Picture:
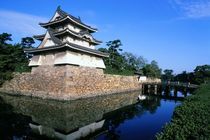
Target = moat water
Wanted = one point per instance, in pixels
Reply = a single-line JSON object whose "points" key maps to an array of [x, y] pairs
{"points": [[119, 116]]}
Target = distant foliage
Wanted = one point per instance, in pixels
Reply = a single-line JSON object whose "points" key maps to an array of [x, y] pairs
{"points": [[200, 75], [133, 62], [121, 63], [152, 70], [167, 75], [12, 58], [27, 42], [190, 120]]}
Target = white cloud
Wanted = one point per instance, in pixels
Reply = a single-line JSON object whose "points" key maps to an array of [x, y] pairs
{"points": [[192, 8], [20, 24]]}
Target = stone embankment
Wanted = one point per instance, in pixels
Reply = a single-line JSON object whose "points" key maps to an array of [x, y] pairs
{"points": [[68, 83]]}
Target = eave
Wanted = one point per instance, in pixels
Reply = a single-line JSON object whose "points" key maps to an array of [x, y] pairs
{"points": [[94, 41], [70, 46], [39, 37], [68, 18], [62, 32]]}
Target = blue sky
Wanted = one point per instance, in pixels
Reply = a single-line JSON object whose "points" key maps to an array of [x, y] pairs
{"points": [[175, 33]]}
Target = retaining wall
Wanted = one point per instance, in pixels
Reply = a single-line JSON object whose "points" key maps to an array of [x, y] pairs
{"points": [[68, 83]]}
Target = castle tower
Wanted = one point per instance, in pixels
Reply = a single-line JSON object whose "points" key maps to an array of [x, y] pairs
{"points": [[67, 41]]}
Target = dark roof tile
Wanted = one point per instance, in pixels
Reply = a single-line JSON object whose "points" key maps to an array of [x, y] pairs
{"points": [[63, 15], [68, 46]]}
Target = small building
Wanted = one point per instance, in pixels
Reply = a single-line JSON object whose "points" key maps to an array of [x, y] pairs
{"points": [[141, 77], [67, 41]]}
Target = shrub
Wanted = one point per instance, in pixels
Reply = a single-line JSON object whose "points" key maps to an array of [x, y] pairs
{"points": [[191, 120]]}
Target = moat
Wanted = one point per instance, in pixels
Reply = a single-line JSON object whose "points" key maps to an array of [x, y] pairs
{"points": [[117, 116]]}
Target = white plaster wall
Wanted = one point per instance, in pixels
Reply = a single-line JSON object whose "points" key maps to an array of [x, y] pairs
{"points": [[69, 39], [73, 28], [47, 59], [67, 58], [99, 62], [46, 41], [78, 59], [35, 60], [92, 47], [42, 60], [142, 78], [78, 42], [84, 43], [49, 42]]}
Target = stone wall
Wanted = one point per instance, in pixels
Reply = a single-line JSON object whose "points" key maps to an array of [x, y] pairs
{"points": [[68, 83]]}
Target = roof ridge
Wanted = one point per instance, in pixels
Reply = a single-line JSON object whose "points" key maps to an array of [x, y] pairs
{"points": [[63, 13]]}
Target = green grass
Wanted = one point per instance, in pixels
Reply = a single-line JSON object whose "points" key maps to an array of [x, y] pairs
{"points": [[191, 120]]}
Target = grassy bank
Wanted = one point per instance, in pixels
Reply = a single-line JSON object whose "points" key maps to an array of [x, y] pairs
{"points": [[191, 120]]}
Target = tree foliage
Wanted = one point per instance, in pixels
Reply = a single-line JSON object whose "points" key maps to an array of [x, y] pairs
{"points": [[27, 42], [200, 75], [125, 63], [115, 60], [4, 38], [122, 63], [12, 58], [133, 62], [168, 75], [152, 70]]}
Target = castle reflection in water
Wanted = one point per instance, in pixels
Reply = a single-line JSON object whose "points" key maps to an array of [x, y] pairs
{"points": [[84, 118]]}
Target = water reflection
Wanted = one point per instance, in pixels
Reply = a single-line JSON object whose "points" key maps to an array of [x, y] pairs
{"points": [[12, 124], [119, 116], [66, 119], [139, 121]]}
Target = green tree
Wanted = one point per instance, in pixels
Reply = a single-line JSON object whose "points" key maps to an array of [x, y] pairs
{"points": [[12, 58], [4, 58], [168, 75], [202, 74], [183, 77], [27, 42], [4, 38], [132, 62], [115, 60], [152, 70], [125, 63]]}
